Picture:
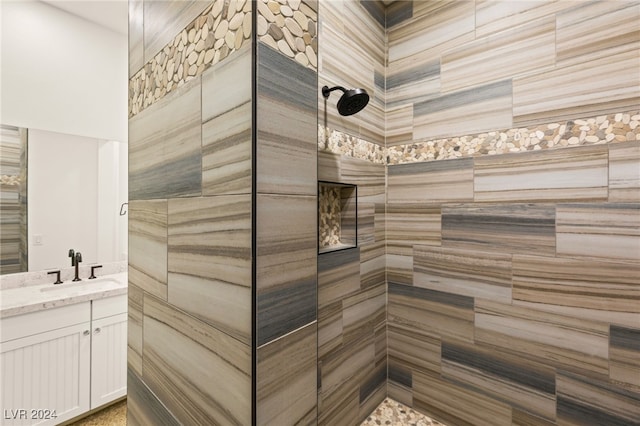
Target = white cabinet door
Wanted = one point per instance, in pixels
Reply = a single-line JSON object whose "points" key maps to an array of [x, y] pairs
{"points": [[45, 376], [108, 359]]}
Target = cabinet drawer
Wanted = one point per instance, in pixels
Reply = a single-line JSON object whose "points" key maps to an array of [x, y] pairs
{"points": [[46, 320], [109, 306]]}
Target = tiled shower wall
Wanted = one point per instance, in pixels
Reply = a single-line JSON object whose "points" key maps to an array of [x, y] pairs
{"points": [[13, 200], [352, 349], [286, 224], [190, 205], [513, 277]]}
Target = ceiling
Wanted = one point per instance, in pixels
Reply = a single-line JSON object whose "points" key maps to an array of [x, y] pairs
{"points": [[112, 14]]}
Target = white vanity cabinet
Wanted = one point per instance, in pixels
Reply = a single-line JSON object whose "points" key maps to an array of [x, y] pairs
{"points": [[108, 350], [59, 363]]}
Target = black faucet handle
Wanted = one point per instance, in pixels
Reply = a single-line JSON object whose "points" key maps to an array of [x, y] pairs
{"points": [[93, 270], [78, 257], [58, 281], [72, 255]]}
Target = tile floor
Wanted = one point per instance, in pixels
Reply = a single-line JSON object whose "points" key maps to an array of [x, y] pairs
{"points": [[388, 413]]}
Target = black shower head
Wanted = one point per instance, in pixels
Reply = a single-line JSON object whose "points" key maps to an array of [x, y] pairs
{"points": [[351, 102]]}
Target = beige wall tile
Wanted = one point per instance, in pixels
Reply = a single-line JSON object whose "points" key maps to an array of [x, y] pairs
{"points": [[583, 283], [610, 231], [606, 85], [183, 357], [148, 225], [591, 30], [210, 261], [624, 172], [510, 53], [286, 378], [566, 174]]}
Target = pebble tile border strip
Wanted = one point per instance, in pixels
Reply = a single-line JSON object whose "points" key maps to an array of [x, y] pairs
{"points": [[393, 413], [612, 128], [224, 27], [337, 142], [290, 26]]}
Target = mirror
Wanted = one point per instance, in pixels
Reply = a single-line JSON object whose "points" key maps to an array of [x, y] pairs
{"points": [[60, 192], [64, 78]]}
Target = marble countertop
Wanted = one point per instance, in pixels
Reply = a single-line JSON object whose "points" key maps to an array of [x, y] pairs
{"points": [[22, 300]]}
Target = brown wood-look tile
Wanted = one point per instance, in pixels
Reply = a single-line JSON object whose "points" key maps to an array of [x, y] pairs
{"points": [[143, 407], [431, 182], [330, 328], [494, 16], [626, 319], [210, 261], [134, 328], [226, 132], [369, 177], [399, 268], [339, 408], [607, 85], [287, 125], [342, 373], [624, 355], [286, 264], [148, 225], [581, 400], [610, 231], [455, 404], [503, 228], [430, 311], [411, 350], [183, 356], [624, 172], [363, 312], [557, 340], [511, 379], [338, 276], [523, 418], [434, 28], [366, 223], [582, 283], [516, 51], [408, 81], [287, 378], [563, 174], [591, 30], [410, 224], [465, 272], [165, 158], [328, 166], [485, 108]]}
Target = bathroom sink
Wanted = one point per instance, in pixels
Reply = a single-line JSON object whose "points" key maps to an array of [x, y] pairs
{"points": [[81, 284]]}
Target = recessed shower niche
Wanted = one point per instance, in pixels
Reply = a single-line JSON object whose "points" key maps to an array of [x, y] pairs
{"points": [[337, 216]]}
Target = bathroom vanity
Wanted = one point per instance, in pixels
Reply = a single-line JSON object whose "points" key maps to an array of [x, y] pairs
{"points": [[64, 349]]}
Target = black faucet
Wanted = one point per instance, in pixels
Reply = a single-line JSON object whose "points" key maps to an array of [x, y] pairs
{"points": [[76, 258]]}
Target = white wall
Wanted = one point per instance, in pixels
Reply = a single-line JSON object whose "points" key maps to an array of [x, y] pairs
{"points": [[61, 73], [63, 198]]}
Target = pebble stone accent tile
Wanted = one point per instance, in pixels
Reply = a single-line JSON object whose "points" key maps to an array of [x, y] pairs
{"points": [[393, 413], [329, 207], [224, 27], [290, 26], [612, 128], [10, 180], [341, 143]]}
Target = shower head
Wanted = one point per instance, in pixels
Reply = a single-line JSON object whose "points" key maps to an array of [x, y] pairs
{"points": [[351, 101]]}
